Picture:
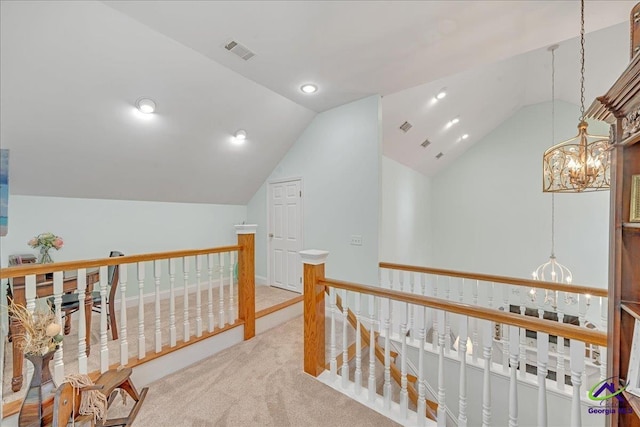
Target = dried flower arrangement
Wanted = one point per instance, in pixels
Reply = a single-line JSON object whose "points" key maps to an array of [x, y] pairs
{"points": [[41, 331]]}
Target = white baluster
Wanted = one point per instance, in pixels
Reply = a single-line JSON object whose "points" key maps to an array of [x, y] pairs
{"points": [[420, 312], [461, 290], [462, 355], [345, 340], [487, 345], [157, 272], [434, 335], [505, 335], [172, 302], [543, 358], [404, 394], [474, 324], [447, 336], [58, 363], [412, 328], [198, 296], [490, 294], [560, 359], [142, 345], [514, 339], [212, 324], [372, 348], [442, 413], [30, 297], [523, 339], [577, 366], [358, 373], [82, 324], [386, 315], [333, 362], [221, 320], [124, 344], [603, 350], [232, 305], [185, 323]]}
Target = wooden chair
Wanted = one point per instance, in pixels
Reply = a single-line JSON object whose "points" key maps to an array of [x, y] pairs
{"points": [[71, 303], [66, 403]]}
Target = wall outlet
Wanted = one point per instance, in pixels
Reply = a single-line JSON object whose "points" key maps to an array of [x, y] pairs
{"points": [[356, 240]]}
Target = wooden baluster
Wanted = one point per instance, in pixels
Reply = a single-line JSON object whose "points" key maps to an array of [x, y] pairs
{"points": [[404, 394], [577, 367], [172, 302], [487, 345], [198, 296], [58, 285], [543, 358], [447, 336], [124, 344], [212, 324], [514, 339], [462, 355], [372, 347], [358, 372], [157, 272], [560, 360], [386, 315], [221, 321], [442, 405], [345, 339], [333, 362], [420, 312], [474, 324], [186, 331], [232, 305], [603, 350], [82, 324], [141, 338]]}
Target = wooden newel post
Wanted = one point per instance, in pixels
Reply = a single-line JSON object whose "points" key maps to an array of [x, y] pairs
{"points": [[247, 278], [314, 344]]}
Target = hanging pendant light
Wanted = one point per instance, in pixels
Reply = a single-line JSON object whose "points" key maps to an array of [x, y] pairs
{"points": [[552, 270], [581, 163]]}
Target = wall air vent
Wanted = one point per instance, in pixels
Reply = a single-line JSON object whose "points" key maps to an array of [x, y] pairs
{"points": [[426, 143], [405, 127], [240, 50], [440, 154]]}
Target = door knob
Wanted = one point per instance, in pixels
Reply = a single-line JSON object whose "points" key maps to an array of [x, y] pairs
{"points": [[270, 234]]}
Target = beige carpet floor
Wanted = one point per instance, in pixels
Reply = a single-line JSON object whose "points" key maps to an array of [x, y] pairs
{"points": [[266, 296], [255, 383]]}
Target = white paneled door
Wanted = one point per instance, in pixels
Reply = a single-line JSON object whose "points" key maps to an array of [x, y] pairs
{"points": [[285, 234]]}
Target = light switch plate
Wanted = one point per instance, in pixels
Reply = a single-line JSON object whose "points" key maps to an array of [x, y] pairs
{"points": [[356, 240]]}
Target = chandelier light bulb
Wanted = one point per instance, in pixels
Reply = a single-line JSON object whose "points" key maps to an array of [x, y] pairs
{"points": [[146, 105]]}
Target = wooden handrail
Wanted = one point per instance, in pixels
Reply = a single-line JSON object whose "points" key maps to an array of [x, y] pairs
{"points": [[527, 322], [529, 283], [26, 269]]}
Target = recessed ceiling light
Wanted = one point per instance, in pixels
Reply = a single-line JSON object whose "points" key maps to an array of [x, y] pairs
{"points": [[465, 136], [240, 136], [146, 105], [309, 88], [441, 94], [455, 120]]}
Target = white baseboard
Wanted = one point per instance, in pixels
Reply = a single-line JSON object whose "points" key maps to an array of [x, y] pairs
{"points": [[261, 280]]}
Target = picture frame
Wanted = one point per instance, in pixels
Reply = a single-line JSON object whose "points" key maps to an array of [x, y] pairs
{"points": [[634, 215], [633, 374]]}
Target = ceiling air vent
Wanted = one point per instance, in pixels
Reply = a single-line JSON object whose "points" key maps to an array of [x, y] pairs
{"points": [[426, 143], [440, 154], [240, 50], [405, 127]]}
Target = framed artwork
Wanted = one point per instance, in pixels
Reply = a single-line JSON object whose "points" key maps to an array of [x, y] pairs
{"points": [[4, 191], [633, 375], [634, 215]]}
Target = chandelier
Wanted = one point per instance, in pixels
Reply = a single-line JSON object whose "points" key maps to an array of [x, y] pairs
{"points": [[552, 270], [581, 163]]}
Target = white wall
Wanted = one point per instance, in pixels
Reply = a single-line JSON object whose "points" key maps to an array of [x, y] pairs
{"points": [[91, 227], [490, 214], [405, 223], [338, 158]]}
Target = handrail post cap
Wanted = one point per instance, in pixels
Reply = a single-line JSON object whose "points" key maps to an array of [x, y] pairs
{"points": [[314, 256], [246, 228]]}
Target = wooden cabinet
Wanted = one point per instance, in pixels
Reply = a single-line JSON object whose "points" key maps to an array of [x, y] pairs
{"points": [[620, 107]]}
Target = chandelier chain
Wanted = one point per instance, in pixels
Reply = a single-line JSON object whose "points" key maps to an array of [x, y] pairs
{"points": [[581, 60], [553, 138]]}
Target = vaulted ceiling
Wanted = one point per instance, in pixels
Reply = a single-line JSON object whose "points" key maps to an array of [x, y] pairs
{"points": [[72, 71]]}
